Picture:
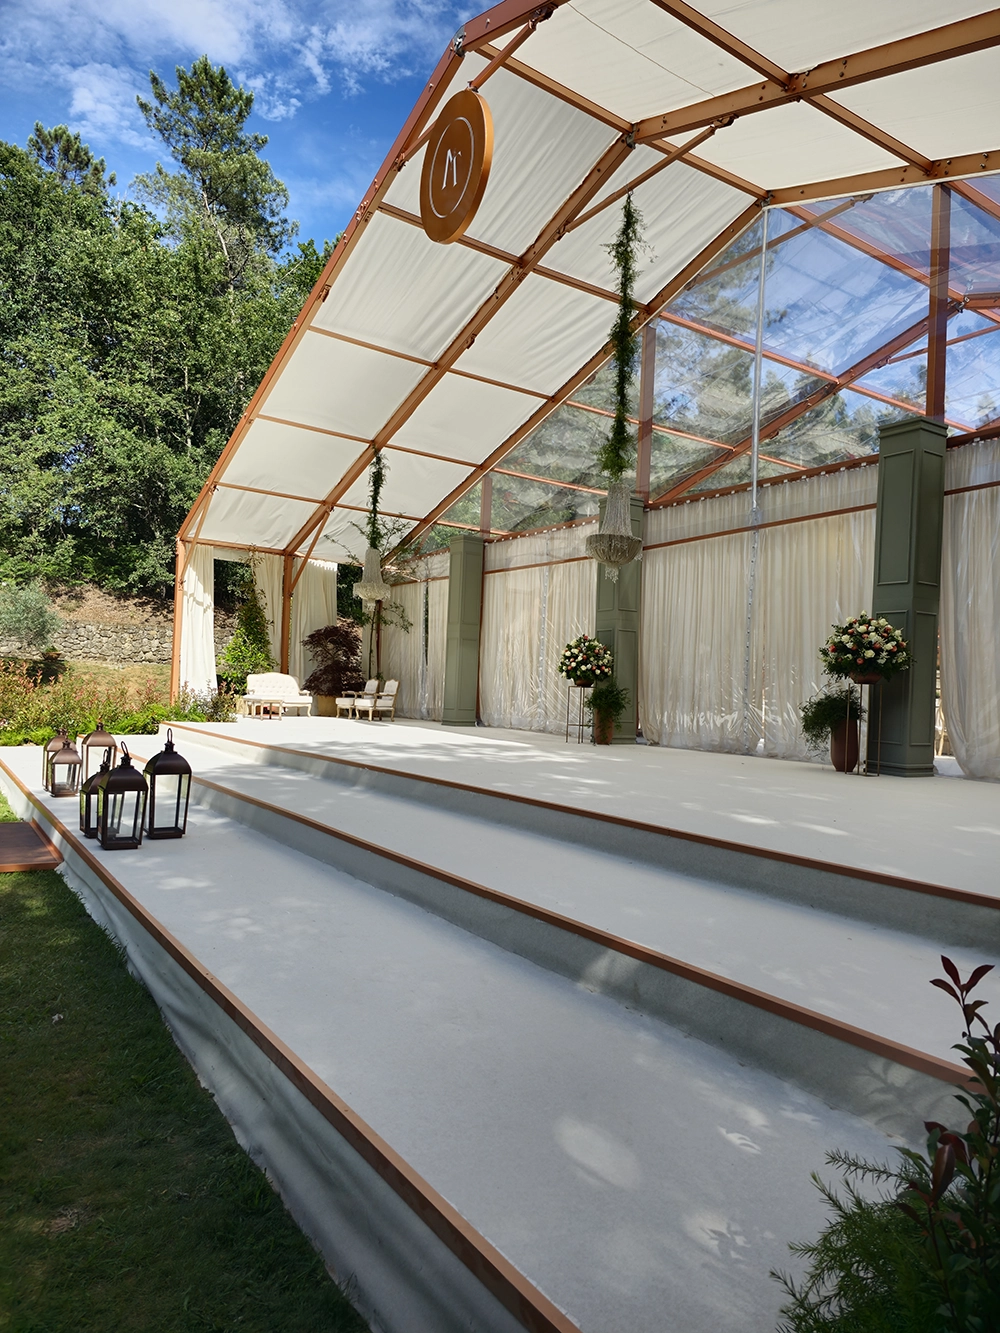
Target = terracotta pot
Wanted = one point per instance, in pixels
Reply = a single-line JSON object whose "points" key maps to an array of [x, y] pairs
{"points": [[866, 677], [326, 705], [844, 746], [604, 728]]}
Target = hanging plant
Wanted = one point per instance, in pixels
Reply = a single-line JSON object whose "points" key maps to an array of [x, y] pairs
{"points": [[615, 545], [371, 587]]}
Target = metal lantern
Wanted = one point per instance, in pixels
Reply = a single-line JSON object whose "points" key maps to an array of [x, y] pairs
{"points": [[64, 770], [88, 797], [121, 806], [92, 747], [169, 777], [53, 747]]}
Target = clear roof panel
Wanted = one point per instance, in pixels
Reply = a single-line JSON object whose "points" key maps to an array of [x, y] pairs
{"points": [[673, 457], [843, 426], [737, 473], [564, 447], [520, 505]]}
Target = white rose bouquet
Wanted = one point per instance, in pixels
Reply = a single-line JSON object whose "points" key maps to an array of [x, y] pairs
{"points": [[865, 645], [586, 661]]}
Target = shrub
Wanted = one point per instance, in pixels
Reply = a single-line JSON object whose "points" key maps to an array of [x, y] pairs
{"points": [[26, 615], [608, 700], [824, 712], [337, 652], [31, 712], [924, 1257], [248, 652]]}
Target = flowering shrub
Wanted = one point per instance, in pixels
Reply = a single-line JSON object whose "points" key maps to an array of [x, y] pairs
{"points": [[586, 661], [32, 712], [865, 644]]}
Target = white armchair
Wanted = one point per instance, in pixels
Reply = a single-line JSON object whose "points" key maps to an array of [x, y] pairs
{"points": [[381, 704], [348, 702]]}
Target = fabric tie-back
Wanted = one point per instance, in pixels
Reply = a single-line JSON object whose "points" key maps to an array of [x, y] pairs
{"points": [[197, 649]]}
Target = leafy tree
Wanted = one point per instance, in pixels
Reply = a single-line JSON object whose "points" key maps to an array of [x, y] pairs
{"points": [[131, 343], [26, 615], [249, 650]]}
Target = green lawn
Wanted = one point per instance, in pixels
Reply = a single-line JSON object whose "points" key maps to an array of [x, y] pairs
{"points": [[125, 1201]]}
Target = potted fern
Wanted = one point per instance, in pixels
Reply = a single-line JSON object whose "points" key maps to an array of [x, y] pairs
{"points": [[607, 704], [832, 718]]}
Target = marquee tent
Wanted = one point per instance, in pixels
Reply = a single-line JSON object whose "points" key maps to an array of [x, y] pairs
{"points": [[477, 366]]}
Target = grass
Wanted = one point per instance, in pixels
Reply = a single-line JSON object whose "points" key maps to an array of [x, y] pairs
{"points": [[132, 674], [125, 1201]]}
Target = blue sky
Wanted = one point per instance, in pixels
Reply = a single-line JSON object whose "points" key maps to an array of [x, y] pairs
{"points": [[334, 79]]}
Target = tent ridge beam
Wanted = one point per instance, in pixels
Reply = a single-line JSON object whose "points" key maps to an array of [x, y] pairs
{"points": [[924, 48]]}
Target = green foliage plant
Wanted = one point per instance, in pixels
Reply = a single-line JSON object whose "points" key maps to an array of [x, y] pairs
{"points": [[923, 1256], [617, 453], [824, 712], [248, 652], [71, 161], [336, 650], [608, 700], [27, 616]]}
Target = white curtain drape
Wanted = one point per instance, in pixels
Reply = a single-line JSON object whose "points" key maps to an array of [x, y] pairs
{"points": [[197, 655], [268, 571], [314, 605], [970, 607], [721, 670], [416, 658], [529, 615]]}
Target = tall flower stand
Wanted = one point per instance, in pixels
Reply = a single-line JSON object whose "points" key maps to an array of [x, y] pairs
{"points": [[576, 718], [861, 679]]}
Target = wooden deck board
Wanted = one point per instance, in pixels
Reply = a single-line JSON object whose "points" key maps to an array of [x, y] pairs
{"points": [[23, 847]]}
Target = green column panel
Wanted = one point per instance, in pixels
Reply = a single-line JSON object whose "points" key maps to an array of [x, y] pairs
{"points": [[907, 592], [618, 627], [465, 605]]}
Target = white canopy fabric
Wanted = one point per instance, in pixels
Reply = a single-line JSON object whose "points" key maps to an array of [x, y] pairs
{"points": [[445, 356]]}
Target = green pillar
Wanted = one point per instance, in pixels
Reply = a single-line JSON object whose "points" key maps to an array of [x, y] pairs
{"points": [[465, 604], [618, 627], [907, 592]]}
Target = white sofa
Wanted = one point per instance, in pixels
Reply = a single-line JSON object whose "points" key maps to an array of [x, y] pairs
{"points": [[272, 693]]}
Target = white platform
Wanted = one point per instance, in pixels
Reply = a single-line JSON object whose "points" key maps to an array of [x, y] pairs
{"points": [[933, 829], [639, 1178]]}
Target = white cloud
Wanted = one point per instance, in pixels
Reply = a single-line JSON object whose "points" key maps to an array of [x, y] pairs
{"points": [[294, 48]]}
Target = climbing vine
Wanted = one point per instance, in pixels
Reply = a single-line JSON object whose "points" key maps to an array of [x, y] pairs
{"points": [[617, 454]]}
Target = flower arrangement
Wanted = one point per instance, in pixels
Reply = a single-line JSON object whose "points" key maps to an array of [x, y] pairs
{"points": [[865, 644], [585, 661]]}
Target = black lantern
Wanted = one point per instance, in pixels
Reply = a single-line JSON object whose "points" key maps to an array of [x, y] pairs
{"points": [[64, 770], [88, 797], [169, 777], [121, 806], [53, 747], [92, 747]]}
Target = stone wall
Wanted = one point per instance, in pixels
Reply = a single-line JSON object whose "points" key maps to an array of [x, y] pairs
{"points": [[147, 643]]}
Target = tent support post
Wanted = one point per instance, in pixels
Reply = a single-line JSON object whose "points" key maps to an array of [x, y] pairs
{"points": [[286, 609], [175, 650], [938, 302], [465, 610], [617, 626], [647, 377]]}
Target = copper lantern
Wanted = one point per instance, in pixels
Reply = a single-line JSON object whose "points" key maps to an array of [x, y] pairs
{"points": [[88, 797], [92, 747], [64, 770], [53, 747], [121, 806], [169, 776]]}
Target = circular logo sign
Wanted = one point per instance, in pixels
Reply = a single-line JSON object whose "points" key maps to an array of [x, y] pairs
{"points": [[456, 166]]}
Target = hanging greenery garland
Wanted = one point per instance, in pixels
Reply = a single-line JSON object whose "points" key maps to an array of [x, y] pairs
{"points": [[371, 587], [615, 545]]}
